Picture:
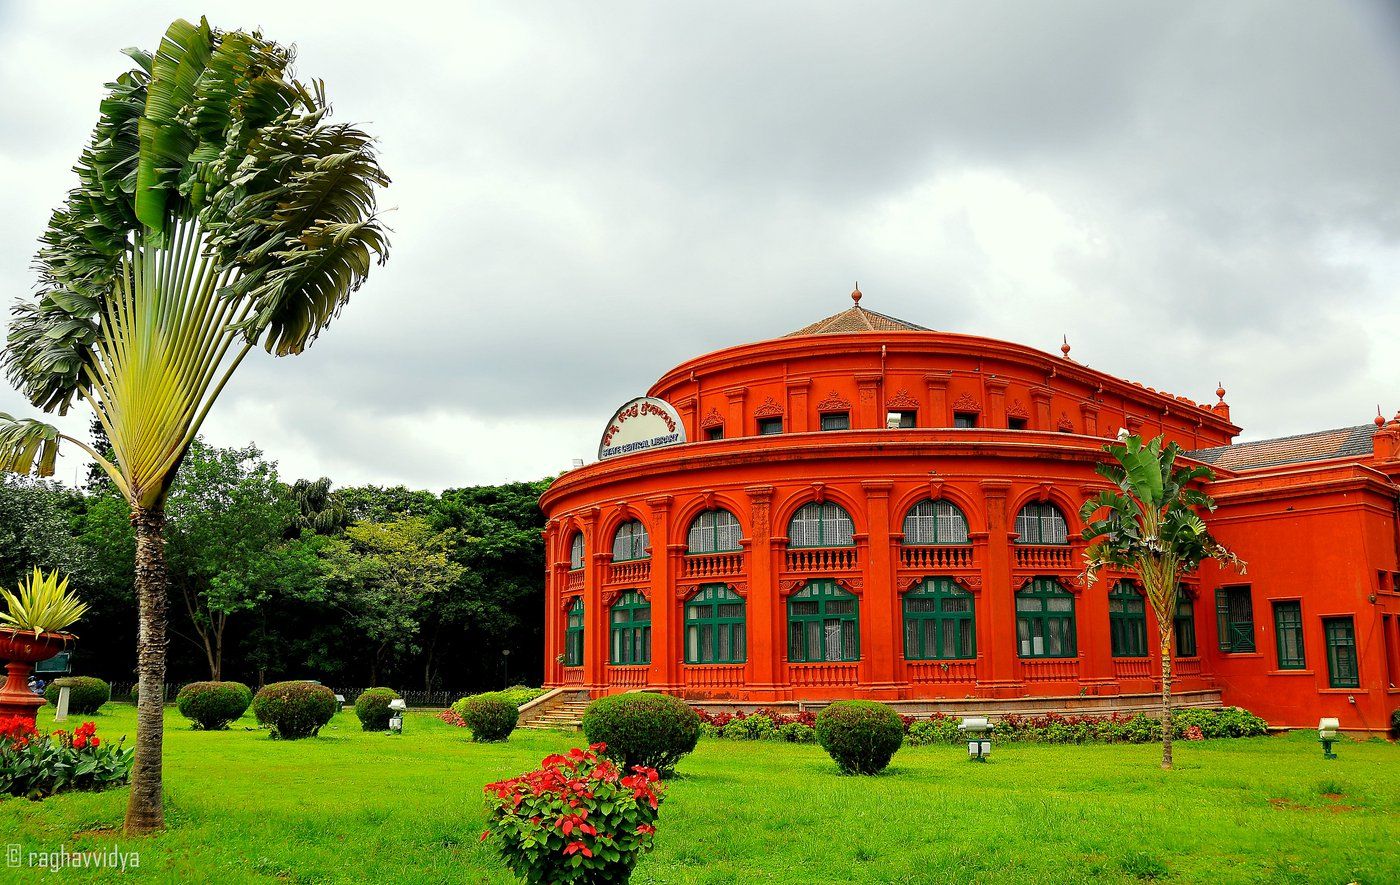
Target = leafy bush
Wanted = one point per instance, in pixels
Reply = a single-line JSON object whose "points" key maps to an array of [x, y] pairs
{"points": [[43, 604], [294, 709], [1395, 723], [653, 730], [491, 716], [577, 819], [521, 694], [213, 705], [860, 736], [35, 765], [1227, 722], [372, 706], [86, 694], [757, 727], [940, 728]]}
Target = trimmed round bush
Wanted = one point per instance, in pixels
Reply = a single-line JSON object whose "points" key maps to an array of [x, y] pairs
{"points": [[654, 730], [294, 710], [372, 706], [491, 716], [211, 706], [85, 693], [861, 736]]}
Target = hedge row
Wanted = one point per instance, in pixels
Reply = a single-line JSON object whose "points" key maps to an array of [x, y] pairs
{"points": [[1052, 728]]}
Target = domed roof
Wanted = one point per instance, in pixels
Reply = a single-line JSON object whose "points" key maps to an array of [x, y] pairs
{"points": [[856, 319]]}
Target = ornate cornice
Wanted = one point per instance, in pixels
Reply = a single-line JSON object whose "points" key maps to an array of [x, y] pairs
{"points": [[902, 400], [769, 408], [712, 418], [833, 402], [966, 403]]}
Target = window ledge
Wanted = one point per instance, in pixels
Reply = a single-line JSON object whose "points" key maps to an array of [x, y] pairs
{"points": [[1241, 655], [1343, 691], [1291, 673]]}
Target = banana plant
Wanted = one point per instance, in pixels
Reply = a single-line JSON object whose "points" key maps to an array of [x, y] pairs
{"points": [[218, 210], [1150, 526], [43, 604]]}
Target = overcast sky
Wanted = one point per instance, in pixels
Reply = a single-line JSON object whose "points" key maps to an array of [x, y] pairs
{"points": [[588, 194]]}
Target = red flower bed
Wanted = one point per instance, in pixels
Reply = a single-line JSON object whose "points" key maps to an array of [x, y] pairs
{"points": [[576, 819]]}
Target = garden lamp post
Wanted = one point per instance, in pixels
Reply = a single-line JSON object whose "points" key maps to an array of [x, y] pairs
{"points": [[397, 708], [505, 667], [1327, 735], [978, 731]]}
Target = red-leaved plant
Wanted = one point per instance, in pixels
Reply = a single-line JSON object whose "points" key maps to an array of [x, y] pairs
{"points": [[576, 819], [36, 765]]}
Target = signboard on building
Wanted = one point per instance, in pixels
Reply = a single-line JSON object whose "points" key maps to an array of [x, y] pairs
{"points": [[641, 424]]}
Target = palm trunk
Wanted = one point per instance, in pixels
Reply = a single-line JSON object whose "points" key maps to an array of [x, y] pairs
{"points": [[145, 812], [1166, 653]]}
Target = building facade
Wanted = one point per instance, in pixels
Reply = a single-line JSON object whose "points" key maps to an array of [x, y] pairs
{"points": [[867, 508]]}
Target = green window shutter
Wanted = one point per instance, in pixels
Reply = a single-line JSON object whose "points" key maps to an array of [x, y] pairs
{"points": [[1342, 668], [573, 634], [1045, 625], [1127, 621], [939, 623], [823, 624], [1288, 635], [714, 626], [1185, 628], [631, 630]]}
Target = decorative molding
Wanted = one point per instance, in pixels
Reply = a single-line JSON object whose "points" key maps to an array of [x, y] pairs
{"points": [[965, 403], [1017, 410], [833, 402], [935, 489], [769, 408], [853, 585], [685, 591], [1064, 424], [970, 583], [708, 496], [902, 400], [819, 492], [712, 418], [788, 585]]}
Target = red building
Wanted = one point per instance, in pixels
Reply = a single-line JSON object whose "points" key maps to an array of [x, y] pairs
{"points": [[868, 508]]}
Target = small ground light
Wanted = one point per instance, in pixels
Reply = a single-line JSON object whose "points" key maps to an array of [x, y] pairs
{"points": [[979, 737], [339, 702], [1327, 735], [397, 707]]}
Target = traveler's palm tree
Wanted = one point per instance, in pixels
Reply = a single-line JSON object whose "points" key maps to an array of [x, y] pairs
{"points": [[217, 210], [1150, 526]]}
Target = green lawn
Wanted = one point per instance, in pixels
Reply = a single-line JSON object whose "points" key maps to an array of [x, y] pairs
{"points": [[350, 806]]}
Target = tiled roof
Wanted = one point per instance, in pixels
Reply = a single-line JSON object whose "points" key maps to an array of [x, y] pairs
{"points": [[1319, 446], [856, 319]]}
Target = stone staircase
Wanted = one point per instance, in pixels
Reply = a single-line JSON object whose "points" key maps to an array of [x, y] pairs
{"points": [[557, 709]]}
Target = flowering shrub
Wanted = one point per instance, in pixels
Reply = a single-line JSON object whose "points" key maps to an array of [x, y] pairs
{"points": [[1050, 728], [36, 766], [452, 717], [576, 819], [491, 716]]}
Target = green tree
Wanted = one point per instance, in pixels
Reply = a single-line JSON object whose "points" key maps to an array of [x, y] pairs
{"points": [[382, 575], [226, 514], [37, 529], [217, 210], [318, 509], [1150, 526], [384, 504]]}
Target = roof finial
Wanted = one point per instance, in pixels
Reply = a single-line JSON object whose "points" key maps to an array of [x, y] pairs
{"points": [[1064, 348], [1379, 419], [855, 294], [1220, 390]]}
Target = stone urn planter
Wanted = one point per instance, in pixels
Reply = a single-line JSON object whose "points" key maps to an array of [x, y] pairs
{"points": [[21, 650]]}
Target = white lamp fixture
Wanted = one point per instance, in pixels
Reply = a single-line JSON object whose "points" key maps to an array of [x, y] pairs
{"points": [[397, 707], [1327, 735], [978, 731]]}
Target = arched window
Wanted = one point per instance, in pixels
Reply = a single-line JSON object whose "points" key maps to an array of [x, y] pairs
{"points": [[573, 634], [714, 626], [1041, 524], [576, 552], [1127, 621], [823, 624], [714, 531], [821, 525], [631, 629], [938, 622], [630, 542], [1045, 620], [935, 522]]}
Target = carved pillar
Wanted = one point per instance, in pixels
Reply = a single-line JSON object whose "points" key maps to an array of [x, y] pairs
{"points": [[553, 587], [1090, 413], [879, 624], [665, 650], [1041, 397], [736, 424], [765, 628], [868, 414], [595, 619], [686, 408], [1000, 678], [797, 412], [940, 415], [996, 401]]}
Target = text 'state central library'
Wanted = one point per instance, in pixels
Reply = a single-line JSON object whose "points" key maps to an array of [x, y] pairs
{"points": [[867, 508]]}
